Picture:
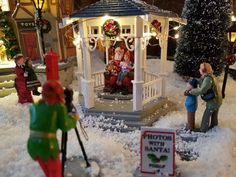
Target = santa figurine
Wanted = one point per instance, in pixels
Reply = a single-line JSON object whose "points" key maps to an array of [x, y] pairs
{"points": [[46, 117], [24, 95], [119, 53]]}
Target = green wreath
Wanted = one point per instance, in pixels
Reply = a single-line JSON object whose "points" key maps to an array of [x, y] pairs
{"points": [[44, 25], [111, 28]]}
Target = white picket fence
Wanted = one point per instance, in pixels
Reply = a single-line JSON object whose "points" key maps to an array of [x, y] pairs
{"points": [[152, 87], [99, 80]]}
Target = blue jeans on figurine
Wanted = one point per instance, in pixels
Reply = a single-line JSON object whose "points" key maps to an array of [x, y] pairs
{"points": [[121, 77]]}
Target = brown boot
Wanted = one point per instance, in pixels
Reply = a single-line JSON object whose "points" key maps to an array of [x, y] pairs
{"points": [[191, 120]]}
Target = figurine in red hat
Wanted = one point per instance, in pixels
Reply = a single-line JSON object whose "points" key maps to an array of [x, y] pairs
{"points": [[46, 117]]}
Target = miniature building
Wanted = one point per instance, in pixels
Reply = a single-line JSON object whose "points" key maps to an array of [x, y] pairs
{"points": [[24, 15], [133, 22]]}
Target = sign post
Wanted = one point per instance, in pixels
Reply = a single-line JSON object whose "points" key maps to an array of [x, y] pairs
{"points": [[157, 152]]}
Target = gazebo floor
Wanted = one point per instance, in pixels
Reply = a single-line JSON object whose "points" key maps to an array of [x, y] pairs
{"points": [[115, 110]]}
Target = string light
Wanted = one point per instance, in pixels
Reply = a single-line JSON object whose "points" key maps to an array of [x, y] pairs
{"points": [[233, 18], [150, 34], [177, 36], [176, 27]]}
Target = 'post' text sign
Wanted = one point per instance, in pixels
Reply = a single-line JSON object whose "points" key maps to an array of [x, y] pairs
{"points": [[157, 152]]}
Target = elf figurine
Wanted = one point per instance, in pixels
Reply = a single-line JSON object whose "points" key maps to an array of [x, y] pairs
{"points": [[24, 95], [46, 116]]}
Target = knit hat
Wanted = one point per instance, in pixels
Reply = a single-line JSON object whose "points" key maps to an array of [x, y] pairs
{"points": [[17, 57], [53, 92], [193, 82]]}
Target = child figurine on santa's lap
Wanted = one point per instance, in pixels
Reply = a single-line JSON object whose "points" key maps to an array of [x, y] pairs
{"points": [[46, 116], [125, 68], [24, 94]]}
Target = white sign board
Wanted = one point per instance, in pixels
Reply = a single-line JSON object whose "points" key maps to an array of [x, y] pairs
{"points": [[157, 152]]}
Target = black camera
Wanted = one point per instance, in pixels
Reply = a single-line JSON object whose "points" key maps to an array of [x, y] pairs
{"points": [[68, 94]]}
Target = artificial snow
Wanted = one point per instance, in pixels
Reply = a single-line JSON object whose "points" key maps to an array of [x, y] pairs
{"points": [[118, 153]]}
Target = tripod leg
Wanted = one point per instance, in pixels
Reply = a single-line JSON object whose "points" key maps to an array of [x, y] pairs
{"points": [[63, 150], [82, 147]]}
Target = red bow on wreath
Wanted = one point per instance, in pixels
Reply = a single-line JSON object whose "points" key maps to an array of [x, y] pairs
{"points": [[230, 59]]}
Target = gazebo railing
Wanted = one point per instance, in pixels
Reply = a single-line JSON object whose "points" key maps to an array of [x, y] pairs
{"points": [[99, 80], [149, 77], [152, 87]]}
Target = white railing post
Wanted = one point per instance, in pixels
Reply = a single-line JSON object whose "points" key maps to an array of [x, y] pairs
{"points": [[87, 82], [163, 45], [79, 72], [152, 88], [99, 79]]}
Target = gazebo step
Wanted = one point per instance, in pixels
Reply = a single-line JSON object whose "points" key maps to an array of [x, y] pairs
{"points": [[111, 112], [127, 116], [120, 116], [114, 96], [138, 124], [7, 84], [7, 77], [5, 92]]}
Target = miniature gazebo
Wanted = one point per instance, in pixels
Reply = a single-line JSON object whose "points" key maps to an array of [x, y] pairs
{"points": [[132, 21]]}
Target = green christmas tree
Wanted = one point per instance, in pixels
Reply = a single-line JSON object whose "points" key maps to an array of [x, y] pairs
{"points": [[204, 38], [9, 39]]}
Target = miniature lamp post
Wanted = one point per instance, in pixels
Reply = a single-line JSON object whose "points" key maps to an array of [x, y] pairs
{"points": [[38, 4], [230, 58]]}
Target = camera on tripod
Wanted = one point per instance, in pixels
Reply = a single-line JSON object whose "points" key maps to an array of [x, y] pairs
{"points": [[68, 94]]}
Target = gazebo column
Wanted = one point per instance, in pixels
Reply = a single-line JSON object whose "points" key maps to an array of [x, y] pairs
{"points": [[79, 67], [164, 45], [144, 61], [87, 82], [107, 51], [79, 73], [138, 82]]}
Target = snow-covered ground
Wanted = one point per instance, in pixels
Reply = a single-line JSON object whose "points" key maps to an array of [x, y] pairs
{"points": [[118, 153]]}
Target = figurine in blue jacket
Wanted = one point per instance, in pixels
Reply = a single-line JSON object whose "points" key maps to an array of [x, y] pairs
{"points": [[191, 104]]}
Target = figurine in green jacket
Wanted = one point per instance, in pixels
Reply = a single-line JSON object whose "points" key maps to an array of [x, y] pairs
{"points": [[211, 94], [46, 116]]}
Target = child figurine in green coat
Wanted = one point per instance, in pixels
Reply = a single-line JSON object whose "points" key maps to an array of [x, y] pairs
{"points": [[46, 117]]}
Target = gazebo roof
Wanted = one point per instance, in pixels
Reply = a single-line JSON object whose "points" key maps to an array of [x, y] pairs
{"points": [[120, 8]]}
